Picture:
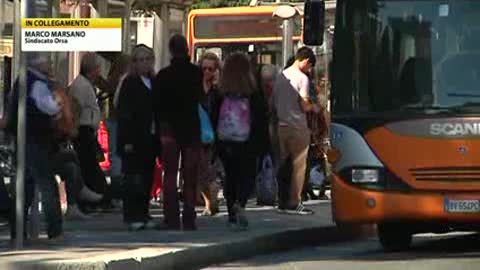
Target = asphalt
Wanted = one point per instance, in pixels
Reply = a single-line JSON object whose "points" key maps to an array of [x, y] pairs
{"points": [[456, 250], [105, 243]]}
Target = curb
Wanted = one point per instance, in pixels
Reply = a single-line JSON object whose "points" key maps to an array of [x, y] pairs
{"points": [[278, 242], [199, 257]]}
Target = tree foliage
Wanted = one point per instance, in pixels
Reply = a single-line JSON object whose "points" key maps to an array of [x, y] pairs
{"points": [[218, 3], [152, 5]]}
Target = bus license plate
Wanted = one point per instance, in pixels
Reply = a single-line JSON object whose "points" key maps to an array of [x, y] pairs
{"points": [[462, 206]]}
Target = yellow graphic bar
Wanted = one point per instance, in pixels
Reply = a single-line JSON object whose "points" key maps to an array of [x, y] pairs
{"points": [[71, 23]]}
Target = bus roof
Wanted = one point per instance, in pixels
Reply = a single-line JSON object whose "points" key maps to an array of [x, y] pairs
{"points": [[329, 4], [233, 10]]}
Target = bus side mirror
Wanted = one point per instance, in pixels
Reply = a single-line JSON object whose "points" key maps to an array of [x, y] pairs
{"points": [[313, 22]]}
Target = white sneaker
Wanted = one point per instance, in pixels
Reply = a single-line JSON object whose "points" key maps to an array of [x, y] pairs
{"points": [[117, 203], [74, 213], [300, 209], [150, 225], [136, 226], [88, 195]]}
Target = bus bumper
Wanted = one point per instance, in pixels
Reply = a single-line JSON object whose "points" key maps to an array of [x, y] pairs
{"points": [[351, 204]]}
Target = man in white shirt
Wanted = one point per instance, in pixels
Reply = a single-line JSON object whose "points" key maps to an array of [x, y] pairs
{"points": [[291, 102], [83, 91]]}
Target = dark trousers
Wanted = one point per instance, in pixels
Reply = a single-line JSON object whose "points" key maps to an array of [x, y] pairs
{"points": [[5, 200], [240, 170], [86, 146], [29, 190], [308, 187], [71, 173], [138, 178], [39, 172], [284, 177], [190, 160]]}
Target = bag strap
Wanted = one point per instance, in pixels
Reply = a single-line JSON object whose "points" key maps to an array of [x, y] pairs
{"points": [[267, 161]]}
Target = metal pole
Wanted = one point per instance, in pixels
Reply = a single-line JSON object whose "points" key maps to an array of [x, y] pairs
{"points": [[21, 133], [326, 61], [287, 42], [164, 35], [2, 62], [16, 40], [184, 21], [34, 221], [2, 16], [126, 27]]}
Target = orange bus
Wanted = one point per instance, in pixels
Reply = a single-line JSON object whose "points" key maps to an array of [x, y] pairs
{"points": [[405, 115], [249, 29]]}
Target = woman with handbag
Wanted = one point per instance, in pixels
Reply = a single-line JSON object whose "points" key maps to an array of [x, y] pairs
{"points": [[136, 140], [66, 162], [208, 174]]}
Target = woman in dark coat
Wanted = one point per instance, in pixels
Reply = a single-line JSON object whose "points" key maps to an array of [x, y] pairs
{"points": [[136, 140]]}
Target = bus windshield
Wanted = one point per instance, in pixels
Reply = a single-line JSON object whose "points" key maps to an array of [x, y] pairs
{"points": [[404, 54], [240, 26], [253, 30]]}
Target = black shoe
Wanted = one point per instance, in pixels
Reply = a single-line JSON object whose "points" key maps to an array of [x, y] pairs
{"points": [[282, 207], [324, 198], [190, 227], [263, 203], [167, 227]]}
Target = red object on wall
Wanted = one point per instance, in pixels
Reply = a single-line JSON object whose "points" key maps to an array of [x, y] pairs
{"points": [[157, 179], [103, 140]]}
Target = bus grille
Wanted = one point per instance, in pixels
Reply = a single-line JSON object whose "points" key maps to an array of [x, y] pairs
{"points": [[447, 174]]}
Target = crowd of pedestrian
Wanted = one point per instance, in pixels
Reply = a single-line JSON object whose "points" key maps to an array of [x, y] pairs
{"points": [[210, 124]]}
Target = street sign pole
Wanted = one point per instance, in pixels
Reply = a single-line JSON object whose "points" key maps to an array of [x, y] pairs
{"points": [[286, 13], [21, 133], [287, 42]]}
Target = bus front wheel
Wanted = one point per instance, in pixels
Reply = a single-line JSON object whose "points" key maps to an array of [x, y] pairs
{"points": [[394, 236]]}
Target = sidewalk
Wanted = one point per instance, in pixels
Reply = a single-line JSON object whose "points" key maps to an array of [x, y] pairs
{"points": [[104, 242]]}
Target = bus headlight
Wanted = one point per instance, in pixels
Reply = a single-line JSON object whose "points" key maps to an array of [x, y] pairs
{"points": [[365, 176]]}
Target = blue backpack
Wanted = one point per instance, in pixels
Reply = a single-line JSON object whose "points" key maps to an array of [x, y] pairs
{"points": [[206, 131]]}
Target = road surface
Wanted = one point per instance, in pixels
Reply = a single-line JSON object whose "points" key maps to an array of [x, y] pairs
{"points": [[429, 252]]}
